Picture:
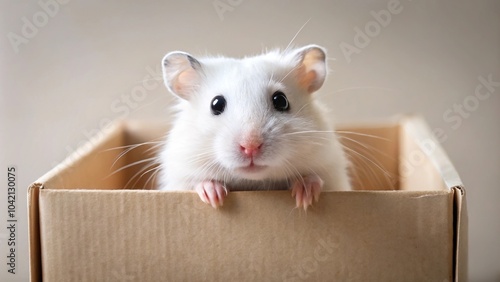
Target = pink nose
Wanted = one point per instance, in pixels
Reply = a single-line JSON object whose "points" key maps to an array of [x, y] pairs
{"points": [[250, 150]]}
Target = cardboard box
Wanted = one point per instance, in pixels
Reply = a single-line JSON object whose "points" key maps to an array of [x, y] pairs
{"points": [[406, 221]]}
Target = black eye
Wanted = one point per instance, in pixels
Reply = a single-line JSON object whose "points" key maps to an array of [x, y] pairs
{"points": [[218, 105], [280, 101]]}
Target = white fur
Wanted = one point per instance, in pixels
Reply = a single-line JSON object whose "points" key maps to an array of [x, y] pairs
{"points": [[202, 146]]}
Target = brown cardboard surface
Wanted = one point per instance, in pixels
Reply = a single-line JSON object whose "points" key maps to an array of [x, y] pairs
{"points": [[347, 236], [90, 230]]}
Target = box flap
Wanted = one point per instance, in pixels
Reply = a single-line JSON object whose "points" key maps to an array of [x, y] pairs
{"points": [[418, 148], [122, 156]]}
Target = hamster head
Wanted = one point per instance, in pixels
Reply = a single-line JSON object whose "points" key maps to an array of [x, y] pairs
{"points": [[248, 118]]}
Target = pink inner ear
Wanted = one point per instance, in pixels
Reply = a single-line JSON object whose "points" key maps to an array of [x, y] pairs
{"points": [[310, 81], [185, 82], [311, 74]]}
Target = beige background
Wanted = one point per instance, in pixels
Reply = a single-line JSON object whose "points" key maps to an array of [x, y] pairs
{"points": [[84, 63]]}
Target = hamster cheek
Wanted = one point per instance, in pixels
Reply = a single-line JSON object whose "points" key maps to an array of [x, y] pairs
{"points": [[225, 151]]}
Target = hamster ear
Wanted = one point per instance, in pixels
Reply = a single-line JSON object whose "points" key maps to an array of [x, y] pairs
{"points": [[182, 73], [311, 69]]}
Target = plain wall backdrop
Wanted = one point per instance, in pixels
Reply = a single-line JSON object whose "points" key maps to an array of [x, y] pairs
{"points": [[69, 67]]}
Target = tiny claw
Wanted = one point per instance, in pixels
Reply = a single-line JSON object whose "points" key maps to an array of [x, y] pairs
{"points": [[306, 190], [212, 192]]}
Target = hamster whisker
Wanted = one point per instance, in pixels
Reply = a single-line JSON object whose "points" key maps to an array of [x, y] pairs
{"points": [[360, 166], [367, 152], [152, 177], [132, 145], [289, 171], [295, 36], [300, 143], [299, 139], [202, 157], [367, 147], [153, 148], [133, 164], [141, 171], [292, 70], [341, 132], [296, 172], [225, 177], [362, 88], [371, 173], [271, 78], [353, 172], [205, 167], [301, 108], [129, 148], [156, 173], [367, 161], [308, 131], [374, 162]]}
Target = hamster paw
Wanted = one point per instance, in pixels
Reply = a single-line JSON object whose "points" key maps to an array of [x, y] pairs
{"points": [[306, 189], [212, 192]]}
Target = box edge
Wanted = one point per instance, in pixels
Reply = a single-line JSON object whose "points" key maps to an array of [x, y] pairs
{"points": [[460, 254], [34, 240]]}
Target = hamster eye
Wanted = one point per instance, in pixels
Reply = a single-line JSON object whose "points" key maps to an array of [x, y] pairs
{"points": [[280, 101], [218, 105]]}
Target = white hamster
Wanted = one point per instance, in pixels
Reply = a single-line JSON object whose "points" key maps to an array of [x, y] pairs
{"points": [[250, 124]]}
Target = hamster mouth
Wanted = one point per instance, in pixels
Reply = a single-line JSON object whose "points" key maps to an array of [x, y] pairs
{"points": [[252, 168]]}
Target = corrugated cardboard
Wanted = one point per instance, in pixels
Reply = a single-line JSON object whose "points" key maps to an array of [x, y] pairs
{"points": [[406, 221]]}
